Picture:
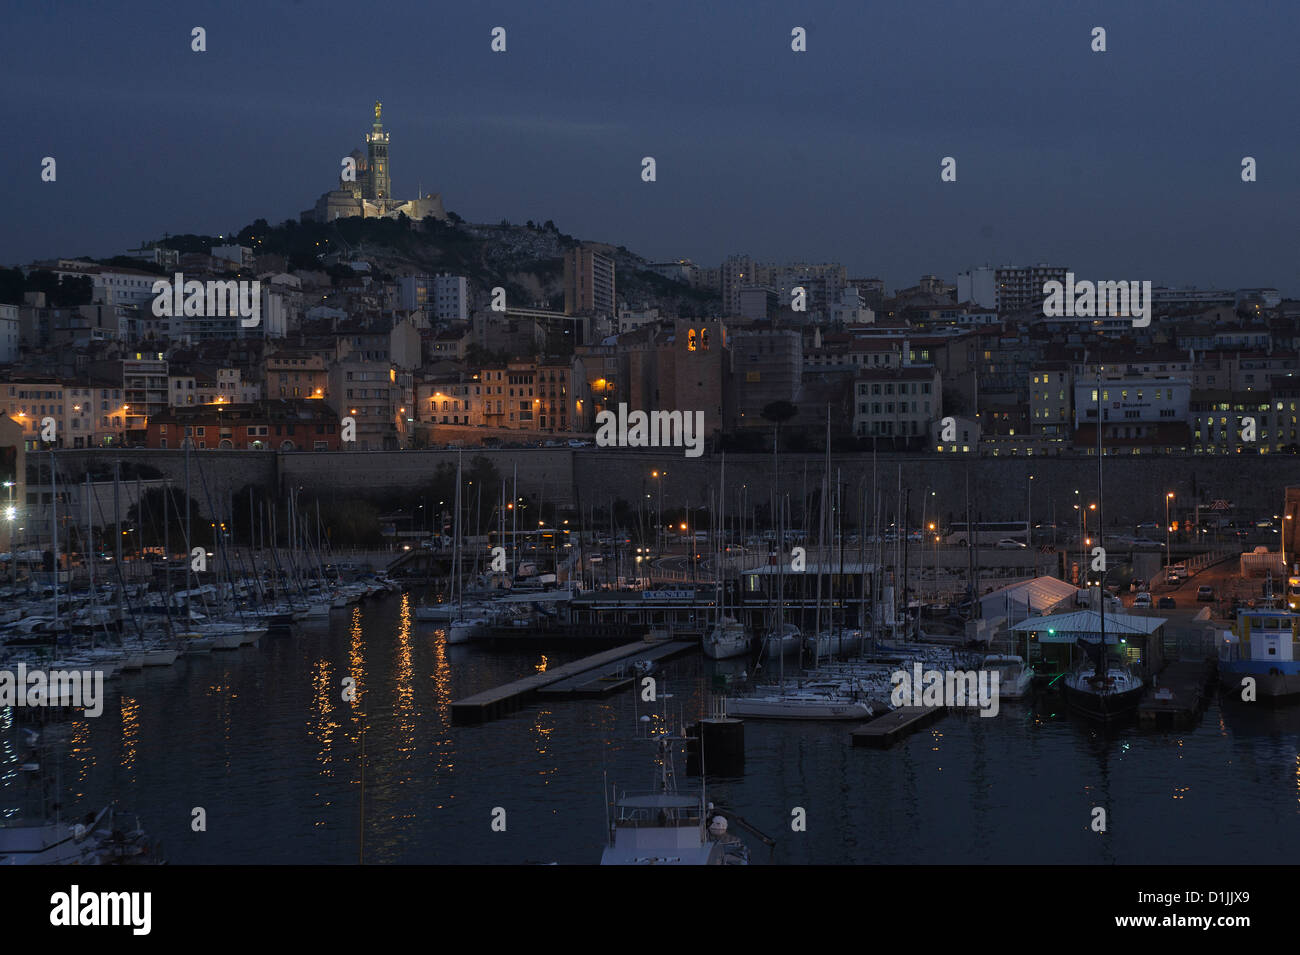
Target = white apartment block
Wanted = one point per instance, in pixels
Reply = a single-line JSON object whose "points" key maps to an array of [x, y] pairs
{"points": [[898, 402]]}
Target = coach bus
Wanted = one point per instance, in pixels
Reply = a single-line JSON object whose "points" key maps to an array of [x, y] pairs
{"points": [[988, 533]]}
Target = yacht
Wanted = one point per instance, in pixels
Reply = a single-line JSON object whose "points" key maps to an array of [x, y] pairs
{"points": [[787, 641], [1015, 678], [825, 701], [465, 629], [726, 639], [830, 642]]}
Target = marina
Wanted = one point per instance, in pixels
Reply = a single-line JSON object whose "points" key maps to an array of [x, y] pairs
{"points": [[554, 648], [287, 742]]}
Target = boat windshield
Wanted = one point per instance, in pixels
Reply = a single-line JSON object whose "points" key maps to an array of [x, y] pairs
{"points": [[659, 810]]}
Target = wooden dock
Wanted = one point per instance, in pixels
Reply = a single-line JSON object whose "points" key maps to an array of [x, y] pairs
{"points": [[614, 676], [490, 704], [1179, 693], [884, 731]]}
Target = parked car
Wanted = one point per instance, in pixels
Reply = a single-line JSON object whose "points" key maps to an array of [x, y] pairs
{"points": [[1008, 543], [1167, 603], [1142, 601], [1138, 585], [1205, 593]]}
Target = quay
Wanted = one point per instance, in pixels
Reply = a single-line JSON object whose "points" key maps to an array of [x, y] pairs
{"points": [[491, 704], [614, 676], [884, 731], [1180, 692]]}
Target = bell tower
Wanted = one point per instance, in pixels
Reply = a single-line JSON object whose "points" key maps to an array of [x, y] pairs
{"points": [[378, 182]]}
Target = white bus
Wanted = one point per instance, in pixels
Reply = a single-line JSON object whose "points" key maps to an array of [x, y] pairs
{"points": [[987, 534]]}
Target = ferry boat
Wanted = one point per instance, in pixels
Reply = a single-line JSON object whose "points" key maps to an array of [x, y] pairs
{"points": [[1265, 645]]}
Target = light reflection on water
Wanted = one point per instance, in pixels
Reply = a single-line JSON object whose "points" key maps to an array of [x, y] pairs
{"points": [[264, 740]]}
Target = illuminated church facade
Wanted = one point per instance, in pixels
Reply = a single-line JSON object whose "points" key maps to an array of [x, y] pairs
{"points": [[365, 186]]}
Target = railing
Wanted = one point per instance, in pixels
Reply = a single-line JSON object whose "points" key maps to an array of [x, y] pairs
{"points": [[680, 577], [1213, 556]]}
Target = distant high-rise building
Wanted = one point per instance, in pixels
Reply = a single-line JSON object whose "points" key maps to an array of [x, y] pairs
{"points": [[737, 273], [1019, 288], [978, 285], [451, 298], [588, 282], [758, 302]]}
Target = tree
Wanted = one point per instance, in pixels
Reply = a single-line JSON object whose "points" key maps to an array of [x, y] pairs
{"points": [[161, 517], [778, 412]]}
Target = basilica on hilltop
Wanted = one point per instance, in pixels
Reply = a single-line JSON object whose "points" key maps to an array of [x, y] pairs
{"points": [[365, 186]]}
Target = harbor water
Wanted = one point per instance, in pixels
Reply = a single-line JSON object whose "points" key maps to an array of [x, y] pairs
{"points": [[263, 741]]}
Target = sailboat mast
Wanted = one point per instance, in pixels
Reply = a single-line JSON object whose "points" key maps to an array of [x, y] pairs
{"points": [[1101, 582], [54, 532], [455, 545], [722, 539], [189, 534], [117, 535]]}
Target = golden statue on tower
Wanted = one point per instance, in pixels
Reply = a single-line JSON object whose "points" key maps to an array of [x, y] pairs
{"points": [[379, 108]]}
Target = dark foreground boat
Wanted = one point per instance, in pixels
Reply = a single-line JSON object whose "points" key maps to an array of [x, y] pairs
{"points": [[1112, 696]]}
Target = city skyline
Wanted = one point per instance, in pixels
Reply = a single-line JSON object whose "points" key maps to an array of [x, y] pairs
{"points": [[250, 136]]}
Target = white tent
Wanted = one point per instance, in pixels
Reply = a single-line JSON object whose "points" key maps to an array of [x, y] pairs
{"points": [[1029, 598]]}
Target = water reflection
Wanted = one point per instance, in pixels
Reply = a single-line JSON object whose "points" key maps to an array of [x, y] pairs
{"points": [[269, 731]]}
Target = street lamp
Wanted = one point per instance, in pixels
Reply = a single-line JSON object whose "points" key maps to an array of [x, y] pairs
{"points": [[659, 523], [1168, 497], [1080, 510]]}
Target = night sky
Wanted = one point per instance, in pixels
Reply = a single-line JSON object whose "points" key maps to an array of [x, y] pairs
{"points": [[1123, 165]]}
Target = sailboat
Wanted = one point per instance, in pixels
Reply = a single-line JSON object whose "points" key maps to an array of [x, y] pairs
{"points": [[821, 701], [463, 627], [1101, 689], [727, 638]]}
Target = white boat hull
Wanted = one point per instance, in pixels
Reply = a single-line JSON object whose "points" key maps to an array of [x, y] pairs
{"points": [[463, 631], [798, 708], [725, 642]]}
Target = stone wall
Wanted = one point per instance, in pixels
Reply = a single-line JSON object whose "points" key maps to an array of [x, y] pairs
{"points": [[1135, 487]]}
